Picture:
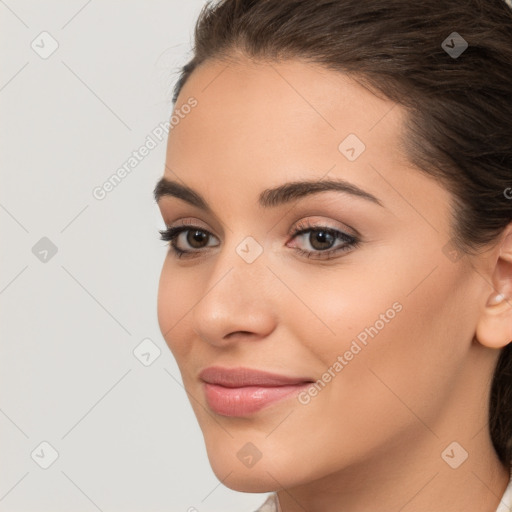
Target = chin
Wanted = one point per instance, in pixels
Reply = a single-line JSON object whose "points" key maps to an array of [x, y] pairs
{"points": [[267, 474], [247, 479]]}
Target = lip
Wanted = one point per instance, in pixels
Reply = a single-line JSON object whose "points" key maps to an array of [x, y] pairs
{"points": [[244, 391]]}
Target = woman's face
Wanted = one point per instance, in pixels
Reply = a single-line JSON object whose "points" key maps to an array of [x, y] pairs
{"points": [[374, 330]]}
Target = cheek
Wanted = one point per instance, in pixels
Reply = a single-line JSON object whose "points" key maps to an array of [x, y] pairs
{"points": [[174, 302], [343, 306], [409, 362], [401, 337]]}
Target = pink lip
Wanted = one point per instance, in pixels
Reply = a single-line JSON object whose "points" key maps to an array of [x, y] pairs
{"points": [[242, 391]]}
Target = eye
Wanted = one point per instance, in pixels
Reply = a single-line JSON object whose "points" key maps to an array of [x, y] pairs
{"points": [[194, 236], [322, 240]]}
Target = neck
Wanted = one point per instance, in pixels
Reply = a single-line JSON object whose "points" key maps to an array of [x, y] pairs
{"points": [[414, 481]]}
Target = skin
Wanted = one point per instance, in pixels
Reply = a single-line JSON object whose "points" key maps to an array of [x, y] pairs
{"points": [[375, 433]]}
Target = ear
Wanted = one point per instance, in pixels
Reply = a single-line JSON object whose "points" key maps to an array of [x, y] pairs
{"points": [[494, 327]]}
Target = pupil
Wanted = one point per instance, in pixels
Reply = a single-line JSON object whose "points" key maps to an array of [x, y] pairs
{"points": [[324, 237], [197, 237]]}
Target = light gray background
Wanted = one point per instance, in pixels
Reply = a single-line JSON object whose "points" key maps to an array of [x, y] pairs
{"points": [[125, 433]]}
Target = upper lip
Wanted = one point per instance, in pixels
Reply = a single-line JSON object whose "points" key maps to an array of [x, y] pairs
{"points": [[241, 377]]}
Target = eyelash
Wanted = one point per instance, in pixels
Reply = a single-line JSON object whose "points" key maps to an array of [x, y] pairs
{"points": [[172, 233]]}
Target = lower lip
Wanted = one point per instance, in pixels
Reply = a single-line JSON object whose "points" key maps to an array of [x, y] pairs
{"points": [[246, 400]]}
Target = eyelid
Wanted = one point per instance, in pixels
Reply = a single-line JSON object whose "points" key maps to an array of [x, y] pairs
{"points": [[178, 216], [307, 223], [188, 222], [302, 224]]}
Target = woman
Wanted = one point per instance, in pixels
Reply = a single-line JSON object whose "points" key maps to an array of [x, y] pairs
{"points": [[338, 287]]}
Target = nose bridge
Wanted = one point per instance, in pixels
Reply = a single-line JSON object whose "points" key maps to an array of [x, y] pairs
{"points": [[244, 251], [240, 269], [235, 295]]}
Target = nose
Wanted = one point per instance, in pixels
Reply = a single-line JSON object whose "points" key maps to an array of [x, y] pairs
{"points": [[236, 301]]}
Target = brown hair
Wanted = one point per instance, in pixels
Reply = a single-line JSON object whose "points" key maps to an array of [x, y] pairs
{"points": [[459, 127]]}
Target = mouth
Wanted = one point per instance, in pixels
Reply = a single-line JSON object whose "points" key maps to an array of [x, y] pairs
{"points": [[244, 391]]}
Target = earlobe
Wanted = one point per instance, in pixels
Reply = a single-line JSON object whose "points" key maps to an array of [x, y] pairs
{"points": [[495, 299], [494, 328]]}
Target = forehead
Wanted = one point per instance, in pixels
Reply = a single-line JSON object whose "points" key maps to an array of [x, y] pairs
{"points": [[289, 100], [258, 124]]}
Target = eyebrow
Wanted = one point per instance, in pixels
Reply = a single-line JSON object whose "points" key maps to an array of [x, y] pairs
{"points": [[269, 198]]}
